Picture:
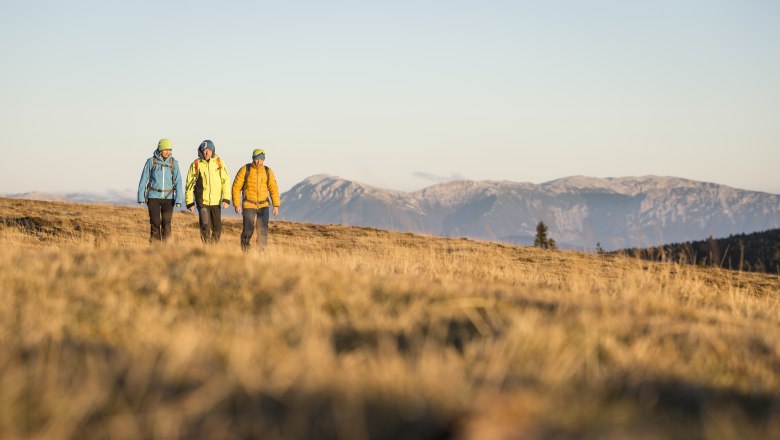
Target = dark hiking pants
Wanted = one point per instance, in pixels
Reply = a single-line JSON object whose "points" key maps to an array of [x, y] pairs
{"points": [[210, 218], [160, 213], [252, 217]]}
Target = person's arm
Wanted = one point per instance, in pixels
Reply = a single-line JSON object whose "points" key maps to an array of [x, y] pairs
{"points": [[189, 197], [238, 184], [273, 189], [179, 194], [225, 178], [144, 182]]}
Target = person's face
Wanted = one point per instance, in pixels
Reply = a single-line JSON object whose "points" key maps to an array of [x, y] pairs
{"points": [[258, 162], [207, 154], [165, 153]]}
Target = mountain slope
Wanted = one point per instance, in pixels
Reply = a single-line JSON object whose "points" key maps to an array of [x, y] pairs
{"points": [[580, 211]]}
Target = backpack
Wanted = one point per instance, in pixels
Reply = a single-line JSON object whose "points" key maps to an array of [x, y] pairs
{"points": [[219, 164], [149, 186], [199, 181], [246, 178]]}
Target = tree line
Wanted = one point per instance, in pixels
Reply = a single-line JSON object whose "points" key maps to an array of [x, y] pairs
{"points": [[755, 252]]}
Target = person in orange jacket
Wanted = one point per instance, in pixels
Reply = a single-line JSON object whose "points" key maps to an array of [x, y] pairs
{"points": [[253, 188]]}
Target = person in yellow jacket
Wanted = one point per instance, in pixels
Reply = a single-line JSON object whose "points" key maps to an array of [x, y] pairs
{"points": [[207, 187], [253, 187]]}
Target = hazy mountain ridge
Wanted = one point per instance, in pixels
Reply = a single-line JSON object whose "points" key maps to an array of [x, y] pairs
{"points": [[126, 197], [580, 211]]}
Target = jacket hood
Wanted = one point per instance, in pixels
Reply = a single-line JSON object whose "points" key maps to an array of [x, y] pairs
{"points": [[159, 157], [207, 144], [200, 155]]}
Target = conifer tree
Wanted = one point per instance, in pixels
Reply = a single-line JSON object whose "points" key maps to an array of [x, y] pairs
{"points": [[541, 240], [541, 235]]}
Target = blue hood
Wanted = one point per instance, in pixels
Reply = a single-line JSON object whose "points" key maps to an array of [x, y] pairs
{"points": [[159, 157]]}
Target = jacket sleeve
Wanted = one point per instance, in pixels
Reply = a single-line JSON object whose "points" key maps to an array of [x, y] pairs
{"points": [[238, 183], [190, 188], [273, 188], [225, 178], [144, 182], [179, 189]]}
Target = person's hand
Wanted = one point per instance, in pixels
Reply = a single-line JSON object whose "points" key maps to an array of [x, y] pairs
{"points": [[276, 210], [225, 204], [192, 209], [238, 209]]}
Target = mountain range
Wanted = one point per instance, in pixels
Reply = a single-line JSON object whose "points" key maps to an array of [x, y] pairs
{"points": [[124, 197], [579, 211]]}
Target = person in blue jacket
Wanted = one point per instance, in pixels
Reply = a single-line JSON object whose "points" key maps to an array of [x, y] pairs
{"points": [[160, 188]]}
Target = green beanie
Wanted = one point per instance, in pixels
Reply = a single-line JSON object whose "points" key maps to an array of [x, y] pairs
{"points": [[164, 144]]}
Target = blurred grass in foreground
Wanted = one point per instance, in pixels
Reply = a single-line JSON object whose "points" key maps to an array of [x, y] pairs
{"points": [[342, 332]]}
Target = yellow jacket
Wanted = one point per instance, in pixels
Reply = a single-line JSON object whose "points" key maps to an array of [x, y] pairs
{"points": [[259, 186], [215, 178]]}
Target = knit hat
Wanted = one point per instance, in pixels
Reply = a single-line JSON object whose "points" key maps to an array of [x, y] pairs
{"points": [[163, 145], [259, 153]]}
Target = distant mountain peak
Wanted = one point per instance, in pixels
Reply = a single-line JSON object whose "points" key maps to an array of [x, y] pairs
{"points": [[631, 185], [617, 212]]}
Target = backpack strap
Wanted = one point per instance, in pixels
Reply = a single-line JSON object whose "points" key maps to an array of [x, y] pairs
{"points": [[149, 186], [268, 183], [246, 179], [267, 176], [164, 193], [246, 175], [196, 165], [174, 189], [149, 180]]}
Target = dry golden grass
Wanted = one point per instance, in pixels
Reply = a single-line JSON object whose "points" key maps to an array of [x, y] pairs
{"points": [[342, 332]]}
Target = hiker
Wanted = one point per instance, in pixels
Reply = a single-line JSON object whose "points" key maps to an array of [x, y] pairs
{"points": [[253, 186], [160, 188], [207, 186]]}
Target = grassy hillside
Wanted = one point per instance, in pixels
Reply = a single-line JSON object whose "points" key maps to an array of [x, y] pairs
{"points": [[344, 332]]}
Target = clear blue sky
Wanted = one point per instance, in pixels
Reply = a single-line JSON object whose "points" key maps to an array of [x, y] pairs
{"points": [[394, 94]]}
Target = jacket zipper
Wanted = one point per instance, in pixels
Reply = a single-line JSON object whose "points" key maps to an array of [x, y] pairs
{"points": [[208, 171]]}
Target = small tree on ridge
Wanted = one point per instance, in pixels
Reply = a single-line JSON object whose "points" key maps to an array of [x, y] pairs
{"points": [[541, 240]]}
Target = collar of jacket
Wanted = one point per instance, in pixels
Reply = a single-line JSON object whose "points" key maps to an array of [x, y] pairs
{"points": [[160, 158]]}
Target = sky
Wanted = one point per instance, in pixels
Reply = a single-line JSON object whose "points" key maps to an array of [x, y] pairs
{"points": [[399, 95]]}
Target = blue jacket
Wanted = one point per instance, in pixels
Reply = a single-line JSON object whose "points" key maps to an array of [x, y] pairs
{"points": [[163, 183]]}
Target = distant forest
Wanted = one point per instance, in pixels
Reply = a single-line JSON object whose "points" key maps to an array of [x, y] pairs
{"points": [[756, 252]]}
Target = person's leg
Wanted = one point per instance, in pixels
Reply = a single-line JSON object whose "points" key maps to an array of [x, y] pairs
{"points": [[263, 215], [216, 221], [205, 224], [249, 227], [166, 209], [155, 220]]}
